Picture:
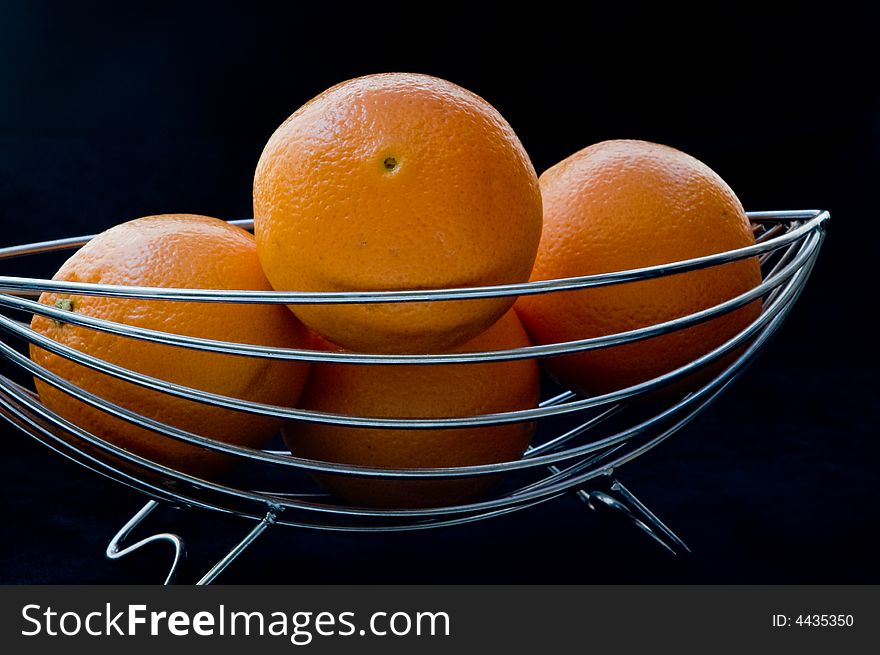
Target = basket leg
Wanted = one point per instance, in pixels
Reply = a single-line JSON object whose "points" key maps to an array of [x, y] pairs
{"points": [[116, 550], [617, 498], [240, 547]]}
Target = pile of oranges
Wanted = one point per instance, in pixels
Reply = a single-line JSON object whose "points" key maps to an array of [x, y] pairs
{"points": [[401, 182]]}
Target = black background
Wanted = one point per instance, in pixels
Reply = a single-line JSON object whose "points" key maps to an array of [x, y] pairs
{"points": [[106, 116]]}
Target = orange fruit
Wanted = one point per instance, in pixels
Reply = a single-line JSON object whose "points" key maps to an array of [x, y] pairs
{"points": [[419, 391], [620, 205], [183, 251], [392, 182]]}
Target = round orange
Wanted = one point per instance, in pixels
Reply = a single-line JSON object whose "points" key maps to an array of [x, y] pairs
{"points": [[392, 182], [621, 205], [419, 391], [183, 251]]}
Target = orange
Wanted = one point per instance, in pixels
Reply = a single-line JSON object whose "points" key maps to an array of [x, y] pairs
{"points": [[183, 251], [419, 391], [391, 182], [620, 205]]}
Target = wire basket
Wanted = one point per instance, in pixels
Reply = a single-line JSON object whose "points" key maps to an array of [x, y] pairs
{"points": [[600, 433]]}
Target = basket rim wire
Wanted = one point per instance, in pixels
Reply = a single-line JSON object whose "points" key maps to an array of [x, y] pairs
{"points": [[814, 218], [803, 237]]}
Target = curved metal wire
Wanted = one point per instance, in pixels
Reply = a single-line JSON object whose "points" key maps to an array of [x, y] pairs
{"points": [[772, 282], [788, 245], [547, 489], [115, 549], [527, 352], [545, 410], [813, 219]]}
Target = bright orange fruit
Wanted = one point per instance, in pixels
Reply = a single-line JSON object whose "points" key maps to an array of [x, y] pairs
{"points": [[621, 205], [419, 391], [183, 251], [390, 182]]}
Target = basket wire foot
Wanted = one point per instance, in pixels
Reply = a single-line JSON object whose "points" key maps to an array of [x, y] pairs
{"points": [[115, 549], [617, 498], [240, 547]]}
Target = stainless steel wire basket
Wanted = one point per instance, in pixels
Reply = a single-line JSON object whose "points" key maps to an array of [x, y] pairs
{"points": [[583, 458]]}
